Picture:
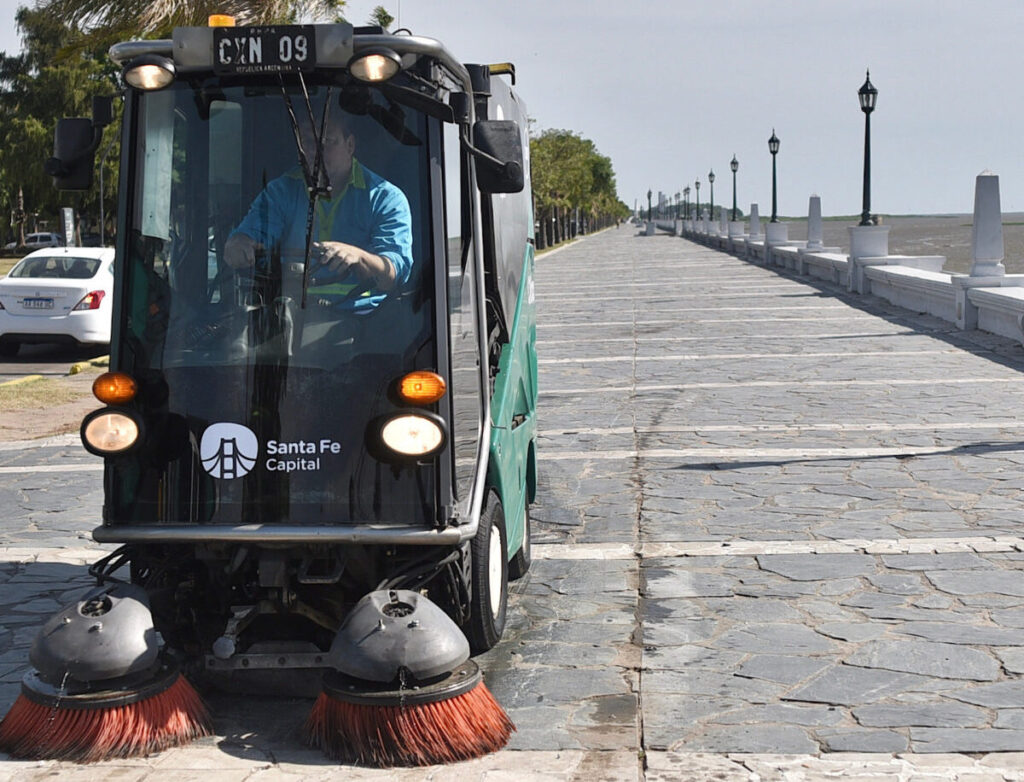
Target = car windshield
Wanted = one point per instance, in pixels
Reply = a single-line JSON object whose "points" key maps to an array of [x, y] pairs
{"points": [[226, 324], [59, 267]]}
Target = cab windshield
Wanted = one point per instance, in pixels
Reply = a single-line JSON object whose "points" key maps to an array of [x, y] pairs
{"points": [[238, 312]]}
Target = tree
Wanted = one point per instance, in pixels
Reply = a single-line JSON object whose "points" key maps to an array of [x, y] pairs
{"points": [[114, 20], [381, 17], [37, 87], [573, 185]]}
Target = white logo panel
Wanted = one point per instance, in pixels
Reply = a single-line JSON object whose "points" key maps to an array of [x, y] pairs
{"points": [[228, 450]]}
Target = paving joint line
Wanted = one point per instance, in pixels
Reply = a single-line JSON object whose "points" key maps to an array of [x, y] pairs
{"points": [[981, 544]]}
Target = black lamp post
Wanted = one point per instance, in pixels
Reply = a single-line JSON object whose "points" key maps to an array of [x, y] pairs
{"points": [[711, 179], [773, 147], [686, 202], [677, 206], [697, 211], [867, 95], [734, 165], [648, 206]]}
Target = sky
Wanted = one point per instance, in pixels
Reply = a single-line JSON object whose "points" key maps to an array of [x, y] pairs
{"points": [[670, 90]]}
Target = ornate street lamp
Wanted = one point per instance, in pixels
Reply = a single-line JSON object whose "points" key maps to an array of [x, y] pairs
{"points": [[711, 179], [648, 206], [867, 95], [734, 165], [677, 206], [773, 147], [697, 212], [686, 202]]}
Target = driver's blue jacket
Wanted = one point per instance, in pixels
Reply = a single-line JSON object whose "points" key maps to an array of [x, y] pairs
{"points": [[369, 212]]}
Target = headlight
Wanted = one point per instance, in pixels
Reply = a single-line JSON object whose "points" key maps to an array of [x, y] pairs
{"points": [[375, 64], [110, 431], [413, 435], [149, 72]]}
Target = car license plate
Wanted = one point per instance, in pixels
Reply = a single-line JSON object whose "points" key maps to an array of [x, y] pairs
{"points": [[37, 304], [264, 49]]}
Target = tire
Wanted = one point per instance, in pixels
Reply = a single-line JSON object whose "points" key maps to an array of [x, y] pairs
{"points": [[9, 349], [520, 564], [489, 572]]}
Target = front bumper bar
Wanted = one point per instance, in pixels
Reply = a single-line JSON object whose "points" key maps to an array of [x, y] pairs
{"points": [[283, 535]]}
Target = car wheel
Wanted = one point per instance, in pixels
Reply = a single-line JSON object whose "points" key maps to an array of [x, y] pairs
{"points": [[520, 563], [489, 572], [9, 349]]}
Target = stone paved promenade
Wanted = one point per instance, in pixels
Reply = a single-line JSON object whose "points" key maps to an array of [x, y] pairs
{"points": [[777, 537]]}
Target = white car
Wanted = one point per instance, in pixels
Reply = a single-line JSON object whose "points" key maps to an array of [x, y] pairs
{"points": [[59, 294], [37, 241]]}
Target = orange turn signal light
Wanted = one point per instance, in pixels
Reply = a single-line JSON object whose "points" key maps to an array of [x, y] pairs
{"points": [[220, 20], [114, 388], [421, 387]]}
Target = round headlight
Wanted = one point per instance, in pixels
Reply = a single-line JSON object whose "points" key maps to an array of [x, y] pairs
{"points": [[375, 64], [149, 72], [110, 432], [411, 434]]}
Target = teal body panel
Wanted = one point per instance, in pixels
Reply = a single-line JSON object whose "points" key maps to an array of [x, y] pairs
{"points": [[512, 468]]}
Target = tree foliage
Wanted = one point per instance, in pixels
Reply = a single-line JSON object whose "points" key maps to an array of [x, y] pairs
{"points": [[568, 173], [114, 20], [381, 17], [37, 87]]}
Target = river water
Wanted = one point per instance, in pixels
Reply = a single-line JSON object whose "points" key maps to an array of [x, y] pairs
{"points": [[948, 235]]}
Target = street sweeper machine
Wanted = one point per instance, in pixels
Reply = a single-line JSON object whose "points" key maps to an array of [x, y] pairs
{"points": [[319, 424]]}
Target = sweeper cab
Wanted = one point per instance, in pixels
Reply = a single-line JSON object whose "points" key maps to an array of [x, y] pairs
{"points": [[313, 460]]}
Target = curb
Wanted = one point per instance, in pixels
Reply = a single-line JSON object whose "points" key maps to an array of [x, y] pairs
{"points": [[20, 380], [81, 366]]}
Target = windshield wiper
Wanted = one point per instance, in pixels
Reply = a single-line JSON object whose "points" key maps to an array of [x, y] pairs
{"points": [[318, 181]]}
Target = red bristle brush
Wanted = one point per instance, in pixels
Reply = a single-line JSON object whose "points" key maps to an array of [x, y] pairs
{"points": [[418, 724], [128, 720]]}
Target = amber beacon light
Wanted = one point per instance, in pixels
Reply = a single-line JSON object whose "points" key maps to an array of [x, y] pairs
{"points": [[114, 388], [421, 387]]}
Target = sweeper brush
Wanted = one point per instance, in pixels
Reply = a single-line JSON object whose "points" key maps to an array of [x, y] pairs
{"points": [[100, 688], [453, 719], [87, 728], [404, 691]]}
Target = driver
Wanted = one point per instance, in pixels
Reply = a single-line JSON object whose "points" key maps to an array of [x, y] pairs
{"points": [[362, 232]]}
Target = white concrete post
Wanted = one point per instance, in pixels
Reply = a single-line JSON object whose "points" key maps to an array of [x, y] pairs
{"points": [[815, 230], [869, 246], [755, 223], [987, 249], [774, 235], [723, 222]]}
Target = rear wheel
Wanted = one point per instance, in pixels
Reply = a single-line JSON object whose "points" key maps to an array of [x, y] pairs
{"points": [[520, 563], [489, 569], [9, 349]]}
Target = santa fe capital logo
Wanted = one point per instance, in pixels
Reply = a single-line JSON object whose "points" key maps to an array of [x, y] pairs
{"points": [[228, 450]]}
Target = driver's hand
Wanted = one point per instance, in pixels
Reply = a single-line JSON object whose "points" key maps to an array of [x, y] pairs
{"points": [[240, 251], [341, 257]]}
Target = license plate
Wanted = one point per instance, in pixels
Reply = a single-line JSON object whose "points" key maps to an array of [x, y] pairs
{"points": [[264, 49], [37, 304]]}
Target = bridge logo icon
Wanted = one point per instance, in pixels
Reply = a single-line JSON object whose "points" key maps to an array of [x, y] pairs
{"points": [[228, 450]]}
